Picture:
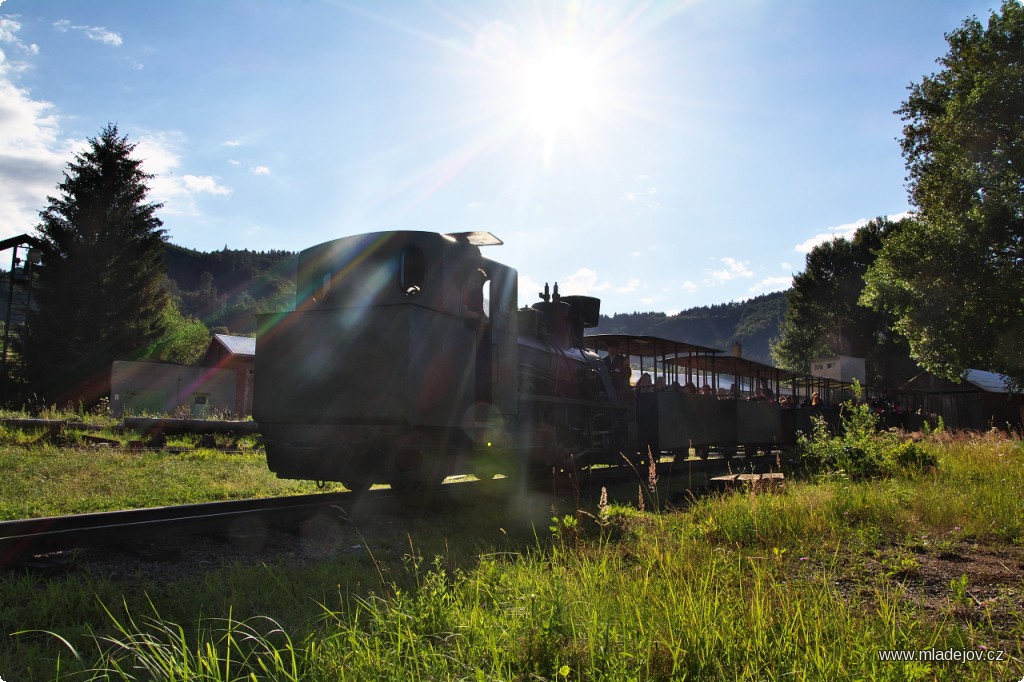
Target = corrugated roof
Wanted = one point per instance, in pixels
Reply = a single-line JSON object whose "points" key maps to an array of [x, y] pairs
{"points": [[986, 381], [238, 345]]}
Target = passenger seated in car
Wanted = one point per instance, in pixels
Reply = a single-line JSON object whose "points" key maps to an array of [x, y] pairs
{"points": [[644, 383]]}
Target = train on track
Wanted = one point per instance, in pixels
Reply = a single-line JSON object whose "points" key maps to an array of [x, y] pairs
{"points": [[407, 358]]}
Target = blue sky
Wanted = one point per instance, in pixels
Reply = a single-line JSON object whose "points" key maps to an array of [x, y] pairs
{"points": [[659, 155]]}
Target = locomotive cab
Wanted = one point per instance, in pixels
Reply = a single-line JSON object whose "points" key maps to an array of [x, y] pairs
{"points": [[379, 372]]}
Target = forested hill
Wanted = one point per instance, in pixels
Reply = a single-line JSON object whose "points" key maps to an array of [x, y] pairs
{"points": [[753, 323], [226, 288]]}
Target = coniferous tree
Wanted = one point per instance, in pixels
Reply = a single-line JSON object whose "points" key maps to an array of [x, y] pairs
{"points": [[101, 295]]}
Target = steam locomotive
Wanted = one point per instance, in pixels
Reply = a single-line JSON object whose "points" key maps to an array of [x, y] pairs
{"points": [[407, 359]]}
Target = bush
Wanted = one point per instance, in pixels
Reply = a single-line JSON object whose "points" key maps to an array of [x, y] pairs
{"points": [[860, 450]]}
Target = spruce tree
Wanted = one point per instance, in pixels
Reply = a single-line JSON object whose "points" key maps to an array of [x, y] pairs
{"points": [[101, 294]]}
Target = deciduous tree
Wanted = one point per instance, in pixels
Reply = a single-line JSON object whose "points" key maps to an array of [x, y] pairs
{"points": [[952, 277], [823, 317]]}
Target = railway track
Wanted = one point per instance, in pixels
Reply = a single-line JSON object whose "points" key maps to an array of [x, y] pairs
{"points": [[21, 540], [28, 537]]}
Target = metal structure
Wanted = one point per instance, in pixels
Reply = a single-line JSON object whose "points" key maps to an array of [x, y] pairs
{"points": [[21, 277]]}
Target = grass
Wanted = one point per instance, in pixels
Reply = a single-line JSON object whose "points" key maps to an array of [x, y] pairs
{"points": [[805, 584], [50, 474]]}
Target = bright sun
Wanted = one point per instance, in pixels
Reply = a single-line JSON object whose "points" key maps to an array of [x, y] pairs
{"points": [[561, 95], [560, 90]]}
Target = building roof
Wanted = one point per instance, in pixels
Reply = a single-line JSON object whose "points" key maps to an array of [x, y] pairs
{"points": [[237, 345], [973, 380], [645, 346], [986, 381]]}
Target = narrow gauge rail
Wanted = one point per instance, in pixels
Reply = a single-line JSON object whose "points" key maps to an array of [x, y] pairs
{"points": [[28, 537]]}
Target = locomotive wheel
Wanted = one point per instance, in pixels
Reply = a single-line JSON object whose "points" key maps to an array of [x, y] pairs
{"points": [[702, 451], [429, 475], [358, 484]]}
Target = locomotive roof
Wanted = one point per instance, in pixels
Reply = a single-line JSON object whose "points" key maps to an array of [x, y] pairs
{"points": [[646, 346]]}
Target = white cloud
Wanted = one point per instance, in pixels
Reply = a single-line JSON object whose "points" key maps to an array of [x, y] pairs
{"points": [[845, 231], [97, 33], [198, 184], [770, 284], [260, 170], [582, 282], [734, 269], [9, 34], [231, 143], [632, 285], [159, 155], [642, 199], [689, 287], [32, 154]]}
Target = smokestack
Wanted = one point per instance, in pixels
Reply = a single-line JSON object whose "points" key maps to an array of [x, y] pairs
{"points": [[737, 349]]}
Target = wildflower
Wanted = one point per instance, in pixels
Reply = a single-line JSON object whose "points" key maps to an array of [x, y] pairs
{"points": [[652, 471]]}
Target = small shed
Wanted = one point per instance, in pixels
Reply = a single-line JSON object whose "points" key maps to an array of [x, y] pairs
{"points": [[979, 401], [237, 354], [222, 382]]}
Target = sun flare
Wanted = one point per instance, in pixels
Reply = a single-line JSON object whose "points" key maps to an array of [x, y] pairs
{"points": [[560, 91]]}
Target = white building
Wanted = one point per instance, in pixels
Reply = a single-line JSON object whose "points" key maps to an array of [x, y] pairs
{"points": [[840, 368]]}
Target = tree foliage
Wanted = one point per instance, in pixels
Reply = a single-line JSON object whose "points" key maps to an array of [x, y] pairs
{"points": [[226, 288], [184, 342], [101, 294], [823, 317], [952, 276]]}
